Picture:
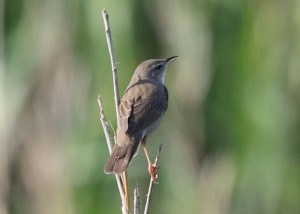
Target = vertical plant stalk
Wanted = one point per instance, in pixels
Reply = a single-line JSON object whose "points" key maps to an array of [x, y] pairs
{"points": [[149, 194], [112, 61], [108, 138], [137, 200], [116, 95]]}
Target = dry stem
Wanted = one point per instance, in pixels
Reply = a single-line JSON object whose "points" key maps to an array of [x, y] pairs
{"points": [[108, 138], [112, 61], [137, 201], [149, 194], [116, 95]]}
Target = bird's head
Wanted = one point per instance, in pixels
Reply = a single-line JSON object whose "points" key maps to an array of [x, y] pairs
{"points": [[154, 69]]}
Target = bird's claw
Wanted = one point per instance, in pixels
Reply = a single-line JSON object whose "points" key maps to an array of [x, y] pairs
{"points": [[153, 170]]}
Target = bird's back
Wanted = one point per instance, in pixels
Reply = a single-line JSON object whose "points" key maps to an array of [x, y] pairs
{"points": [[142, 107]]}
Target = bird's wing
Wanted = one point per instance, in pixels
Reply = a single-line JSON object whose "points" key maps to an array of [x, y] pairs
{"points": [[125, 109], [142, 110]]}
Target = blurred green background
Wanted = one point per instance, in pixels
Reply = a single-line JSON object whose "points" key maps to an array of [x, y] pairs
{"points": [[231, 135]]}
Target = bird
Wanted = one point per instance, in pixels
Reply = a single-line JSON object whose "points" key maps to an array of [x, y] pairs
{"points": [[141, 110]]}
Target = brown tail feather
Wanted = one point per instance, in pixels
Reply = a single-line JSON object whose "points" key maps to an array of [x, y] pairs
{"points": [[119, 159], [110, 163]]}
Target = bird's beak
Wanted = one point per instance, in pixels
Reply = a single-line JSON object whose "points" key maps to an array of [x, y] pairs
{"points": [[170, 59]]}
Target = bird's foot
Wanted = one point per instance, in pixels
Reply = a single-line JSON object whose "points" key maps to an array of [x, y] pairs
{"points": [[153, 170]]}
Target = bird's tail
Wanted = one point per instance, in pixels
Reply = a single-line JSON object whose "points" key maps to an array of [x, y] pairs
{"points": [[120, 158]]}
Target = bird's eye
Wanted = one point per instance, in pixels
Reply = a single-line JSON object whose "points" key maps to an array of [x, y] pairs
{"points": [[158, 67]]}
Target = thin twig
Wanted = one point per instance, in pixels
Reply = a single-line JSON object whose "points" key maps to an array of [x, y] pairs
{"points": [[137, 200], [105, 125], [125, 182], [109, 145], [116, 94], [149, 194], [112, 61]]}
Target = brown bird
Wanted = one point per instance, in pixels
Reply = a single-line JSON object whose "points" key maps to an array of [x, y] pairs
{"points": [[141, 109]]}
